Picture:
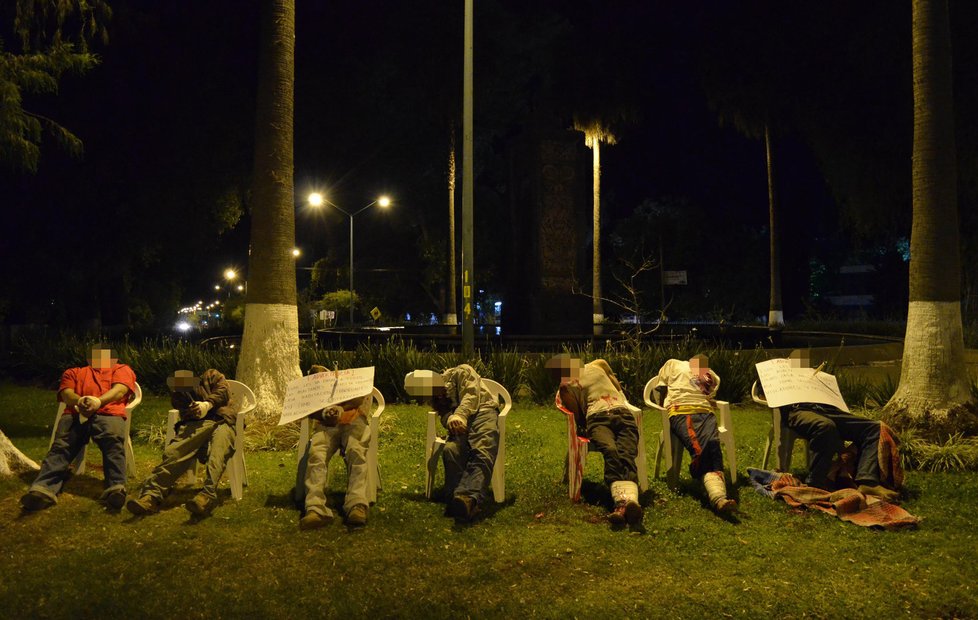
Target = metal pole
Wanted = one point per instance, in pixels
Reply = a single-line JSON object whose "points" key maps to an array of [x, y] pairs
{"points": [[468, 262], [351, 272]]}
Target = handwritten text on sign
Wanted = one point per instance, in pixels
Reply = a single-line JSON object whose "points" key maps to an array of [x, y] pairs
{"points": [[312, 393], [784, 385]]}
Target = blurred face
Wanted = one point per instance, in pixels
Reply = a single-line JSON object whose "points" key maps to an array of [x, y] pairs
{"points": [[699, 366], [182, 381], [800, 359], [102, 358], [564, 368], [440, 401]]}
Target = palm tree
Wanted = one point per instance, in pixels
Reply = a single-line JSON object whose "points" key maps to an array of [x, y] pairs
{"points": [[451, 318], [270, 345], [12, 460], [595, 132], [775, 315], [934, 387]]}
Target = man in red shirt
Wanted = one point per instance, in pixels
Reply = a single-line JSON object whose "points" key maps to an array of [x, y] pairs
{"points": [[95, 398]]}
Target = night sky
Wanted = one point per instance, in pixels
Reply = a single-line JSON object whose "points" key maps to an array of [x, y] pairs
{"points": [[156, 208]]}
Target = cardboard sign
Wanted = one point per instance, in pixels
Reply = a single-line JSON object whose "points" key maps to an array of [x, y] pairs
{"points": [[312, 393], [784, 385]]}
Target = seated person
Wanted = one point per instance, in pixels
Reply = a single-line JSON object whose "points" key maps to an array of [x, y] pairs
{"points": [[469, 412], [592, 392], [95, 398], [826, 428], [687, 390], [206, 425], [342, 426]]}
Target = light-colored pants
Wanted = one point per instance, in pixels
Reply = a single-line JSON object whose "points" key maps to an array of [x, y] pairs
{"points": [[353, 438], [181, 454]]}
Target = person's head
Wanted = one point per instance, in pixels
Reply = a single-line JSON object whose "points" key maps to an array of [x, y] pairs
{"points": [[699, 364], [316, 369], [428, 386], [800, 358], [102, 357], [181, 381], [563, 368]]}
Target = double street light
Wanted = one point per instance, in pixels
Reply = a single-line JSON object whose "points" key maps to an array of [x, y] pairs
{"points": [[317, 200]]}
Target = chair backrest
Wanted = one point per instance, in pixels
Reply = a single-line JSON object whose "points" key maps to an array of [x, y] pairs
{"points": [[243, 394], [137, 398], [499, 393], [379, 402], [757, 395], [650, 395]]}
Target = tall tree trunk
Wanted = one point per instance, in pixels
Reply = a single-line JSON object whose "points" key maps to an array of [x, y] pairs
{"points": [[775, 315], [12, 460], [451, 318], [933, 386], [270, 345], [597, 307]]}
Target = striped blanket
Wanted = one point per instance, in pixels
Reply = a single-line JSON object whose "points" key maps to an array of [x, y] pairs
{"points": [[847, 504]]}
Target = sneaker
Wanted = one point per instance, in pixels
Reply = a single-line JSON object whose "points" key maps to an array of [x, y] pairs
{"points": [[115, 499], [357, 515], [617, 516], [200, 505], [726, 506], [33, 501], [463, 508], [633, 513], [313, 520], [145, 505]]}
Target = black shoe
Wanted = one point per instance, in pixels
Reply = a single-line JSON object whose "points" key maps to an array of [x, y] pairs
{"points": [[116, 499], [33, 501], [463, 508]]}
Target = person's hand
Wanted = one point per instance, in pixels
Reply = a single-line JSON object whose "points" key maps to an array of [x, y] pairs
{"points": [[87, 405], [331, 415], [457, 425], [203, 407]]}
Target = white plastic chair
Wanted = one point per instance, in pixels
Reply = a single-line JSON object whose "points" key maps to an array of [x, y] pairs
{"points": [[78, 465], [237, 470], [577, 449], [672, 447], [781, 438], [434, 445], [373, 466]]}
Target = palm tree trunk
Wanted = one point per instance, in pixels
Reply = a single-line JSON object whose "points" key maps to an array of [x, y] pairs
{"points": [[270, 345], [597, 308], [933, 381], [12, 460], [775, 315]]}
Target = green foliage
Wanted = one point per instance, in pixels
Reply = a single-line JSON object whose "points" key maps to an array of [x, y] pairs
{"points": [[957, 453]]}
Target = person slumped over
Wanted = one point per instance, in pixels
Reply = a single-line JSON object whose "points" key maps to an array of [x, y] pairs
{"points": [[827, 428], [206, 425], [594, 393], [338, 427], [689, 390], [95, 398], [470, 413]]}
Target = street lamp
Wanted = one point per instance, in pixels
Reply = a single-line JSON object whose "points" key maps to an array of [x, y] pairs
{"points": [[317, 200]]}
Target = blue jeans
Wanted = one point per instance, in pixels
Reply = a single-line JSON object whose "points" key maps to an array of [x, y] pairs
{"points": [[109, 434], [469, 457], [699, 435]]}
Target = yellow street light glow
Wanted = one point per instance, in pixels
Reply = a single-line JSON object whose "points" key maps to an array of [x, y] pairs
{"points": [[315, 199], [296, 252], [240, 287], [217, 287], [384, 202], [230, 274]]}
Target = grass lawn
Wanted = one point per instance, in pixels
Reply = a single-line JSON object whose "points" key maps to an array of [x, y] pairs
{"points": [[537, 555]]}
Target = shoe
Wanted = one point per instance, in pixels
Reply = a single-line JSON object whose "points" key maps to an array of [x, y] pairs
{"points": [[633, 513], [313, 520], [617, 516], [33, 501], [115, 499], [357, 515], [463, 508], [200, 505], [726, 506], [145, 505]]}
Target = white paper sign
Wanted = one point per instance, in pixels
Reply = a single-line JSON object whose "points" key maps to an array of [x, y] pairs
{"points": [[312, 393], [784, 385]]}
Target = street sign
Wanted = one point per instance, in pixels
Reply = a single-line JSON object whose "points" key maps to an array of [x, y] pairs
{"points": [[375, 313], [327, 315], [674, 278]]}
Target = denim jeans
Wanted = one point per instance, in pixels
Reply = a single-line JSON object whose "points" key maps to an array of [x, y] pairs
{"points": [[109, 434], [699, 435], [615, 435], [470, 456], [181, 453], [353, 438]]}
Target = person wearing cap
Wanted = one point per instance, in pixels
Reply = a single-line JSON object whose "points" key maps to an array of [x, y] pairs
{"points": [[592, 393], [688, 389], [207, 418], [338, 427], [827, 428], [95, 398], [470, 413]]}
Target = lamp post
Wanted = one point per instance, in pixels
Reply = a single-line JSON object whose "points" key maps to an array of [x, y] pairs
{"points": [[317, 200]]}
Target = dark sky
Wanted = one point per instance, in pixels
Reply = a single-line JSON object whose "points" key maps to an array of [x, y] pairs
{"points": [[167, 120]]}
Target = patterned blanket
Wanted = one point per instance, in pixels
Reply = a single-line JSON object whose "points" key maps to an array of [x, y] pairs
{"points": [[847, 504]]}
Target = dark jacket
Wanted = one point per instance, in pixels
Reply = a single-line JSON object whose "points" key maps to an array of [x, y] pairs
{"points": [[212, 388]]}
